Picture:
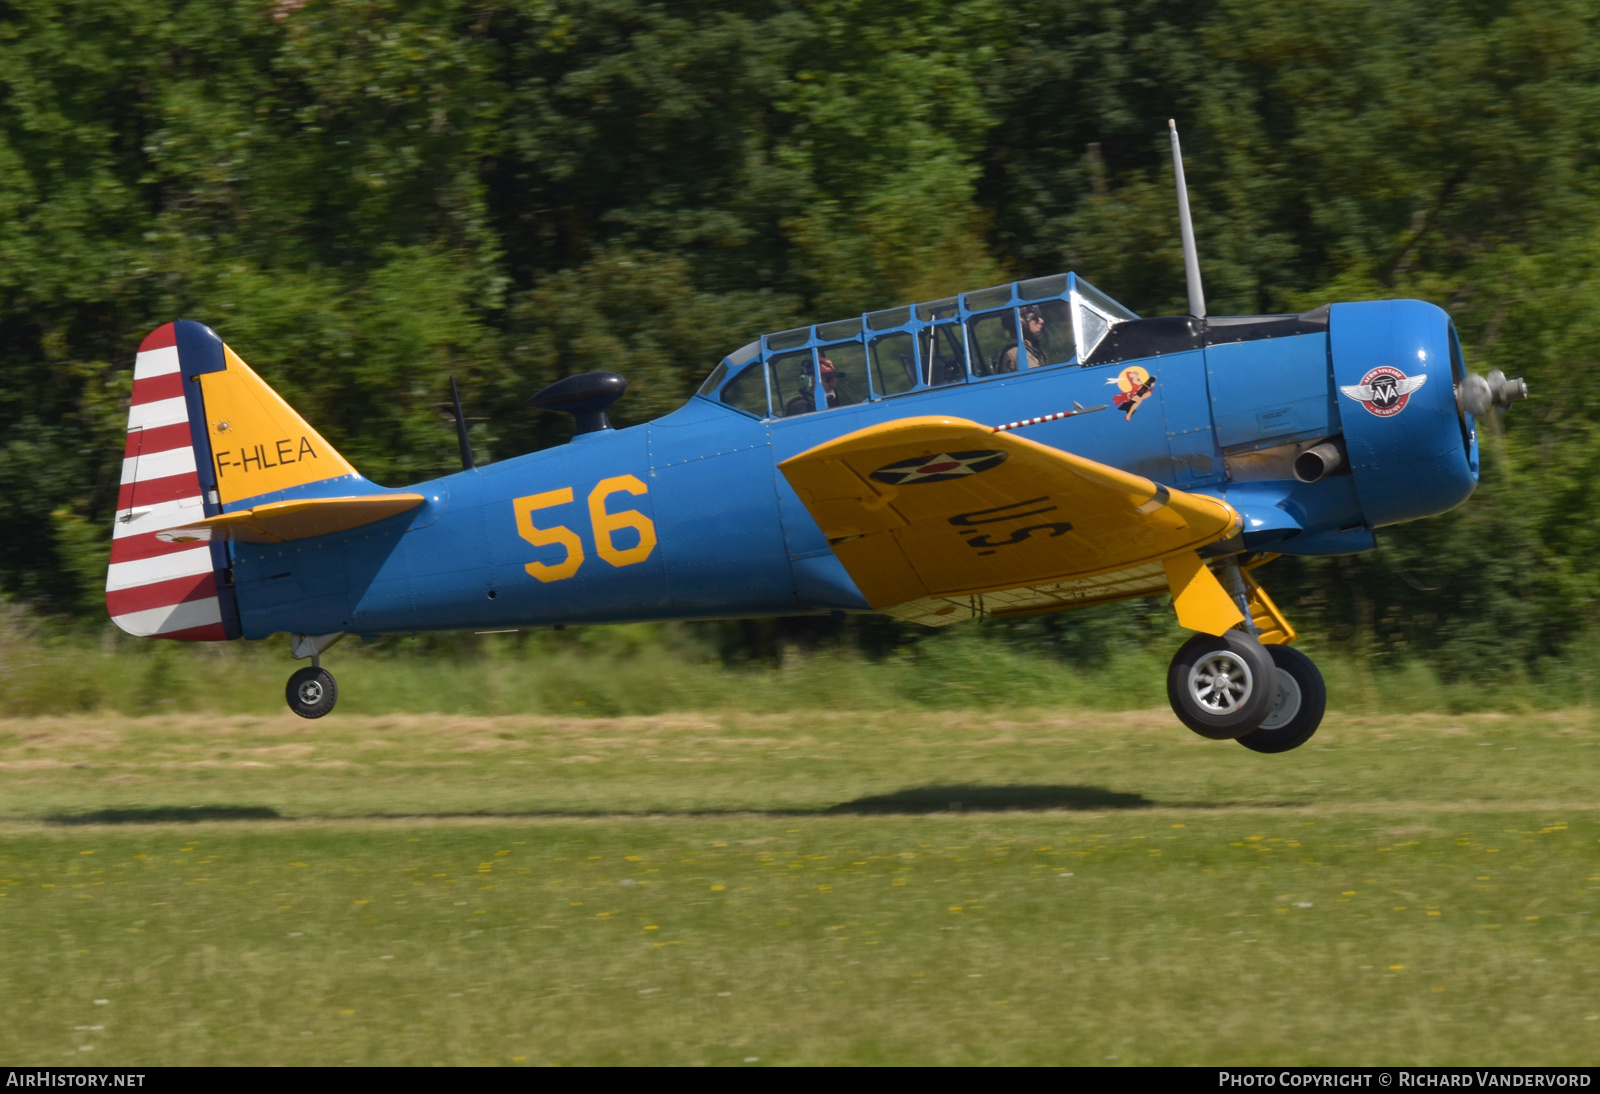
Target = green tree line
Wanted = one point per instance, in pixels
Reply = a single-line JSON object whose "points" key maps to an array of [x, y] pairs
{"points": [[364, 197]]}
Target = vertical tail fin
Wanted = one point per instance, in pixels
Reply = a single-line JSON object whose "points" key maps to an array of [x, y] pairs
{"points": [[155, 588], [204, 433]]}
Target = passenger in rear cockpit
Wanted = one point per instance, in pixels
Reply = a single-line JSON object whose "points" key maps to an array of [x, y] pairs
{"points": [[1032, 338]]}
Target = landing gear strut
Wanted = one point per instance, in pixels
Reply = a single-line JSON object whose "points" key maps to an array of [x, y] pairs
{"points": [[312, 691]]}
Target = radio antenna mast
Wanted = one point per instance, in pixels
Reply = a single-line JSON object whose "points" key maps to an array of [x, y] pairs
{"points": [[1191, 260], [467, 462]]}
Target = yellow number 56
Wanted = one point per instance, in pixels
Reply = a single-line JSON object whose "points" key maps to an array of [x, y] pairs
{"points": [[605, 526]]}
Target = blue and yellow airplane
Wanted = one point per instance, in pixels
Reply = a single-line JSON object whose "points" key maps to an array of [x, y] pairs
{"points": [[1025, 448]]}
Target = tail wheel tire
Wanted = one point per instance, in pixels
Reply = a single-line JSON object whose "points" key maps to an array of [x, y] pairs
{"points": [[312, 692], [1222, 686], [1297, 711]]}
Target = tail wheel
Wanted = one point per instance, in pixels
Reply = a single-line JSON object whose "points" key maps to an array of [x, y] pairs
{"points": [[1298, 708], [312, 692], [1222, 686]]}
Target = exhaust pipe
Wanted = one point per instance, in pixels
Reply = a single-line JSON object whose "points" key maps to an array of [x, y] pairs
{"points": [[1314, 463]]}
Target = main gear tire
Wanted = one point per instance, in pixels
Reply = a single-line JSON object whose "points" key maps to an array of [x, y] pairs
{"points": [[1222, 686], [1298, 708], [312, 692]]}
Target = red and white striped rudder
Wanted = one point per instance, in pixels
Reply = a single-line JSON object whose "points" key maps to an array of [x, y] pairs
{"points": [[166, 590]]}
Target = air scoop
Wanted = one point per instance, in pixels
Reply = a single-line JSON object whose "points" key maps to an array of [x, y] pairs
{"points": [[584, 396], [1477, 395]]}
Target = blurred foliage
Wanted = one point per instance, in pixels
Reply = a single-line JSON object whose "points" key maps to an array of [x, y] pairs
{"points": [[366, 197]]}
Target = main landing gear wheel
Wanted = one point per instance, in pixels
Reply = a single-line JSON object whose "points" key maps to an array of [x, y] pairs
{"points": [[1297, 711], [1222, 686], [312, 692]]}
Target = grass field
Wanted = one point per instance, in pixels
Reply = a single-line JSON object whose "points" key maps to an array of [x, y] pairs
{"points": [[933, 887], [649, 669]]}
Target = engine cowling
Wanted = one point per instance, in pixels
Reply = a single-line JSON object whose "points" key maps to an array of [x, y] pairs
{"points": [[1396, 365]]}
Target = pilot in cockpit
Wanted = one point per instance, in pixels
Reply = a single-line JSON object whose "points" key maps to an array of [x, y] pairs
{"points": [[803, 402], [1032, 337]]}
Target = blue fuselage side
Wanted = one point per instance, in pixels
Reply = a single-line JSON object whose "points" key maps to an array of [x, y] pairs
{"points": [[732, 539]]}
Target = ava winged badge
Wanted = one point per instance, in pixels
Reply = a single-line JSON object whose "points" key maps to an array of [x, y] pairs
{"points": [[1385, 390]]}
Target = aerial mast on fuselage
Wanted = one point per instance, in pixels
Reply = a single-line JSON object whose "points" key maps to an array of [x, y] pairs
{"points": [[1191, 260]]}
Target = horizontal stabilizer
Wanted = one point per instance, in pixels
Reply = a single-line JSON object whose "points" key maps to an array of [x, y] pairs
{"points": [[286, 520]]}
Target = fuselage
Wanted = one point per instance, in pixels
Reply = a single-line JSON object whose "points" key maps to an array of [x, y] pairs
{"points": [[688, 516]]}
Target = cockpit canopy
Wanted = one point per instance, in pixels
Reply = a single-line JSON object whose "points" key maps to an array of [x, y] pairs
{"points": [[915, 347]]}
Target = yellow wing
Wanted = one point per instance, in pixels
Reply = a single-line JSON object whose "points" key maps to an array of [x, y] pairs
{"points": [[937, 519]]}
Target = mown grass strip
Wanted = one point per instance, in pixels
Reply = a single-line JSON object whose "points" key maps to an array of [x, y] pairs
{"points": [[857, 887]]}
